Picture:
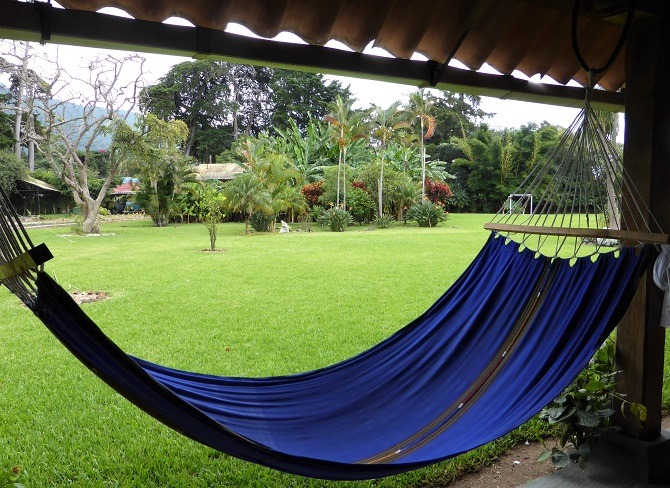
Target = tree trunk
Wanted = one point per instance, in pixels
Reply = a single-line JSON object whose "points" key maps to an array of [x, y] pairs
{"points": [[19, 102], [89, 212]]}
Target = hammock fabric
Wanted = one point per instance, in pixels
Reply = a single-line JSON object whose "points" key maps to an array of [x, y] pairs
{"points": [[502, 342]]}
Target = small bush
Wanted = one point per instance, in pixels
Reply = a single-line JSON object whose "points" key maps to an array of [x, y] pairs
{"points": [[312, 192], [383, 222], [317, 214], [584, 410], [336, 219], [426, 214], [262, 222], [360, 204]]}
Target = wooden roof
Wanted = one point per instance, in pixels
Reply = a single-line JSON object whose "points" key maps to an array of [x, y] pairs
{"points": [[218, 171], [528, 36]]}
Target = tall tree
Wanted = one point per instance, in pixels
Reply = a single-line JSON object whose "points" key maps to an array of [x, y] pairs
{"points": [[68, 135], [347, 126], [195, 92], [153, 151], [420, 109], [300, 97], [385, 123], [24, 84]]}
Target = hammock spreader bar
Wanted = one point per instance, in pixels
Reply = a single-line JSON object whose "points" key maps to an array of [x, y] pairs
{"points": [[502, 342]]}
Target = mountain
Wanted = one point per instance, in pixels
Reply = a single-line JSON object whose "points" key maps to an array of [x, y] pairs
{"points": [[73, 111]]}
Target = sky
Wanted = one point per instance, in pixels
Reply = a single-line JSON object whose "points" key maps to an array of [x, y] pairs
{"points": [[506, 113]]}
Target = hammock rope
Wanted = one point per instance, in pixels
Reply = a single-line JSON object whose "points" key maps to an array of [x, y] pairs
{"points": [[581, 193]]}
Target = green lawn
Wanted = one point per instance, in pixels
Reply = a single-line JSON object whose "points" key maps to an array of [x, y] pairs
{"points": [[267, 305]]}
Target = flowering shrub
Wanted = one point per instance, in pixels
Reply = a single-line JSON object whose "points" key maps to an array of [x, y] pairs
{"points": [[360, 185], [438, 192], [312, 192]]}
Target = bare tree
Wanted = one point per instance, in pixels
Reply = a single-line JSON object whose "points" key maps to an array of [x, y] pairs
{"points": [[24, 82], [75, 110]]}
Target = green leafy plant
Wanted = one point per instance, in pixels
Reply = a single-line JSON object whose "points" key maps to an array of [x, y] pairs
{"points": [[212, 211], [426, 214], [261, 222], [317, 212], [336, 219], [384, 221], [583, 411], [9, 478]]}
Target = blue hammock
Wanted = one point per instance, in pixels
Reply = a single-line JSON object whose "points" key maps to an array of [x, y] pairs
{"points": [[501, 343]]}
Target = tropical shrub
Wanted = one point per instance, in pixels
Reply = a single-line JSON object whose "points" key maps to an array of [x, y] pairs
{"points": [[426, 214], [317, 213], [360, 204], [312, 192], [11, 170], [438, 192], [583, 411], [336, 219], [384, 221], [262, 222]]}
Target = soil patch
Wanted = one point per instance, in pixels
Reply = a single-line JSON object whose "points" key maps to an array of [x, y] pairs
{"points": [[518, 466], [88, 296]]}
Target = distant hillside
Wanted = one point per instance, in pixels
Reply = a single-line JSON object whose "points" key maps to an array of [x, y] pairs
{"points": [[73, 111]]}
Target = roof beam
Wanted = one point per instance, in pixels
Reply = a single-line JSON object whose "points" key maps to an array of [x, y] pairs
{"points": [[42, 23]]}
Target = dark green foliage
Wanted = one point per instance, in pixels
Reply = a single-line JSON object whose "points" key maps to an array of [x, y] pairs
{"points": [[301, 97], [262, 222], [11, 170], [336, 219], [584, 410], [426, 214], [360, 204], [6, 126]]}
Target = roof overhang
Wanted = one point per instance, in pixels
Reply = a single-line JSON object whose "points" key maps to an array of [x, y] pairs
{"points": [[40, 22]]}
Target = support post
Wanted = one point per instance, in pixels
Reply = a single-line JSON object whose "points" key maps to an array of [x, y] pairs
{"points": [[640, 339]]}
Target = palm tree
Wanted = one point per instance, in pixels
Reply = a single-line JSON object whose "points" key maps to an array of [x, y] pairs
{"points": [[420, 108], [385, 122], [247, 194], [347, 126]]}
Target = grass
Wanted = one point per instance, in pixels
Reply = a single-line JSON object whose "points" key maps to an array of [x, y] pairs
{"points": [[269, 304]]}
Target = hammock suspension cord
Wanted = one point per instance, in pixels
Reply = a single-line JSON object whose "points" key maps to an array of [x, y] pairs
{"points": [[582, 194]]}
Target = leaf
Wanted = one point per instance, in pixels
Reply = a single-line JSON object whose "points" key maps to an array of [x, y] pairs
{"points": [[639, 411], [595, 385], [561, 399], [559, 458], [587, 419], [545, 456], [567, 412]]}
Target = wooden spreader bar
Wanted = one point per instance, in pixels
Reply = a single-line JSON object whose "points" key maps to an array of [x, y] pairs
{"points": [[626, 235], [23, 262]]}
